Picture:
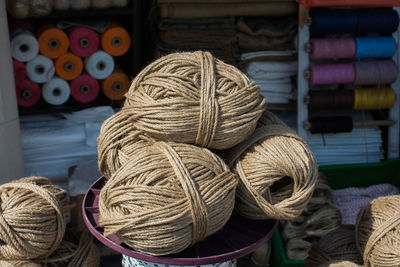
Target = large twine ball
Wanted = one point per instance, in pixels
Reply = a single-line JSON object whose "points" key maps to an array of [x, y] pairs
{"points": [[336, 246], [163, 196], [277, 172], [378, 232], [340, 264], [33, 218], [194, 98]]}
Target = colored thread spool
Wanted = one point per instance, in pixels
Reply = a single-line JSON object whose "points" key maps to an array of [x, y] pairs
{"points": [[375, 72], [69, 66], [83, 41], [330, 99], [331, 73], [377, 20], [333, 21], [332, 48], [116, 85], [340, 124], [19, 70], [28, 93], [85, 88], [99, 65], [115, 40], [24, 45], [56, 91], [53, 42], [373, 98], [40, 69], [375, 47]]}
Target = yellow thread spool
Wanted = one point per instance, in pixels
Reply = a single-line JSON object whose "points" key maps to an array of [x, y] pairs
{"points": [[373, 98]]}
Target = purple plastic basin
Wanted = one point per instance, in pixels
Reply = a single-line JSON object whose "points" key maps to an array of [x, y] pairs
{"points": [[239, 237]]}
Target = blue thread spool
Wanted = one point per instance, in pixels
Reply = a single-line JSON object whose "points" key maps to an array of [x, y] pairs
{"points": [[375, 47], [377, 20], [333, 21]]}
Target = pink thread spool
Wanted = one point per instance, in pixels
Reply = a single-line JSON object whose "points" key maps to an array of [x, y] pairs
{"points": [[332, 48], [332, 73], [375, 72]]}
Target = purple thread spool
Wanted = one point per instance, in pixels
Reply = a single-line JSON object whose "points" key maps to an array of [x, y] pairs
{"points": [[332, 73], [332, 48], [375, 72]]}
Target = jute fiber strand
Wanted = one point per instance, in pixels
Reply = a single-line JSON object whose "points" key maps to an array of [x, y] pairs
{"points": [[76, 249], [33, 218], [297, 249], [340, 264], [378, 232], [338, 245], [164, 196], [277, 172], [11, 263], [194, 98]]}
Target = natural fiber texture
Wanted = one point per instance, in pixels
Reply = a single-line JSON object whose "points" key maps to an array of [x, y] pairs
{"points": [[75, 250], [161, 197], [336, 246], [297, 249], [277, 172], [378, 232], [340, 264], [322, 191], [11, 263], [33, 218], [194, 98]]}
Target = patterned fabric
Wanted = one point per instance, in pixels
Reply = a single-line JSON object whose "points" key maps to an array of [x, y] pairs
{"points": [[132, 262]]}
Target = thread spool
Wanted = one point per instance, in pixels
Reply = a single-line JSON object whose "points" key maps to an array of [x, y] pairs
{"points": [[287, 185], [330, 99], [375, 47], [375, 72], [200, 117], [40, 69], [340, 124], [338, 245], [19, 70], [373, 98], [24, 45], [341, 73], [46, 208], [116, 85], [377, 20], [193, 188], [115, 40], [28, 93], [377, 231], [83, 41], [53, 42], [85, 88], [56, 91], [69, 66], [329, 21], [99, 65], [331, 48]]}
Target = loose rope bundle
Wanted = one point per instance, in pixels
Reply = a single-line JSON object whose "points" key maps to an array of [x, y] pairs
{"points": [[33, 218], [378, 232], [75, 250], [194, 98], [277, 172], [338, 245], [161, 197]]}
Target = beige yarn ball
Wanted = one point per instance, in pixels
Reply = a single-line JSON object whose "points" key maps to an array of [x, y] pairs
{"points": [[194, 98], [33, 218], [277, 172], [336, 246], [378, 232], [162, 197]]}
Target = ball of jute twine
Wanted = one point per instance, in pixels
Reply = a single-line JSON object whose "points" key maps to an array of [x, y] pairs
{"points": [[76, 249], [11, 263], [164, 196], [276, 169], [194, 98], [378, 232], [33, 218], [338, 245], [340, 264]]}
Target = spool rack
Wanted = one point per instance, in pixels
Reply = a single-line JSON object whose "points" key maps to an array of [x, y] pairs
{"points": [[303, 64]]}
